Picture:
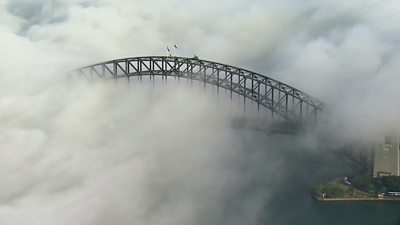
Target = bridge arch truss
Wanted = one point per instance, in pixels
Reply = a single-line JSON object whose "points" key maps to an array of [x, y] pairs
{"points": [[289, 103]]}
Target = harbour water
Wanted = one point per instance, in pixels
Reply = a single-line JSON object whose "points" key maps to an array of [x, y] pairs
{"points": [[300, 168]]}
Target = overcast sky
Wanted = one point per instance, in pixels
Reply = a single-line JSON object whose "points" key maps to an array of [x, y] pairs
{"points": [[345, 53]]}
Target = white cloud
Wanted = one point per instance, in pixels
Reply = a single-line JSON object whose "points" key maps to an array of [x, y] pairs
{"points": [[78, 153]]}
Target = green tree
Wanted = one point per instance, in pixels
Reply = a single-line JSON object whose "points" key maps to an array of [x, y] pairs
{"points": [[332, 190], [392, 183], [365, 183]]}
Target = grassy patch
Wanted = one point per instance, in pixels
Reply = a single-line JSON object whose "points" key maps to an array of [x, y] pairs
{"points": [[337, 189]]}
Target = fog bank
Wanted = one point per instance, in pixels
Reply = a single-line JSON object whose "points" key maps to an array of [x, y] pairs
{"points": [[77, 152]]}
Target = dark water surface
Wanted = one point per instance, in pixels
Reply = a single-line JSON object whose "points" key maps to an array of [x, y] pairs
{"points": [[300, 168]]}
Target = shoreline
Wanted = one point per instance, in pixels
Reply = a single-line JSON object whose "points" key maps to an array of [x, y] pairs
{"points": [[355, 199], [339, 191]]}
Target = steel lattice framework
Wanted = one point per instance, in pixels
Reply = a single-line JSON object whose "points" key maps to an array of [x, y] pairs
{"points": [[291, 104]]}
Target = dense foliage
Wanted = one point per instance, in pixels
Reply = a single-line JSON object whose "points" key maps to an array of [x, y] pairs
{"points": [[361, 186], [377, 185], [392, 183], [331, 190], [368, 184]]}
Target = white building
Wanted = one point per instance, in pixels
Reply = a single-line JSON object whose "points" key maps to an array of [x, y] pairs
{"points": [[387, 157]]}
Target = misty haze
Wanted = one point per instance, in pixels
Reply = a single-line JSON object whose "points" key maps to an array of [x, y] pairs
{"points": [[166, 112]]}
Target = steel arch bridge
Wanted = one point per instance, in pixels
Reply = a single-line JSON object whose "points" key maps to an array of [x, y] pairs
{"points": [[289, 103]]}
